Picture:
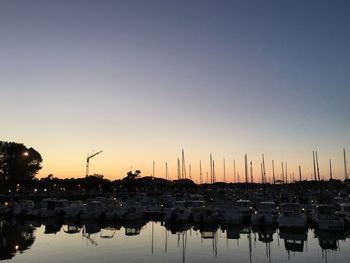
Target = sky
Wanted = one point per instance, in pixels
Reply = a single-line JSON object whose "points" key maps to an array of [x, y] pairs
{"points": [[142, 80]]}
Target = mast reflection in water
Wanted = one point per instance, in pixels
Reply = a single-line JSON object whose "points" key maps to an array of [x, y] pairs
{"points": [[55, 241]]}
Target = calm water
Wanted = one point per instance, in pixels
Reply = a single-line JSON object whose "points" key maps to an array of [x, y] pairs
{"points": [[151, 242]]}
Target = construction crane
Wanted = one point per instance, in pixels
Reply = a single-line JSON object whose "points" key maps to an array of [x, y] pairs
{"points": [[88, 161]]}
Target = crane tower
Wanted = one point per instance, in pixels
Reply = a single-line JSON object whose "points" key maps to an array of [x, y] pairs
{"points": [[88, 161]]}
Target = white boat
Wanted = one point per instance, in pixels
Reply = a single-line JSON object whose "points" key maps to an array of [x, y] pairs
{"points": [[344, 212], [73, 210], [265, 214], [245, 208], [177, 215], [135, 212], [325, 218], [93, 210], [196, 208], [22, 207], [50, 208], [229, 215], [114, 208], [205, 215], [291, 216]]}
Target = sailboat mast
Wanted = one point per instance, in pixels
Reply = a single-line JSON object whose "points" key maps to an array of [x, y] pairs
{"points": [[211, 168], [183, 175], [166, 171], [282, 172], [251, 171], [273, 172], [200, 172], [246, 168], [299, 173], [313, 158], [345, 168], [224, 172], [264, 171], [318, 168], [214, 179], [234, 172], [330, 169]]}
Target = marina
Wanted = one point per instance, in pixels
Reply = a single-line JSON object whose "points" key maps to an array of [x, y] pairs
{"points": [[258, 225], [53, 241]]}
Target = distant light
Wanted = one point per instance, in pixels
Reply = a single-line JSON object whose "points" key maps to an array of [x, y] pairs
{"points": [[35, 190], [45, 190], [10, 191], [6, 203], [17, 247], [25, 154]]}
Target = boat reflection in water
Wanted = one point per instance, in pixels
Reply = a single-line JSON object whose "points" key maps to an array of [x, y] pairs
{"points": [[158, 242], [329, 240], [294, 240], [133, 227]]}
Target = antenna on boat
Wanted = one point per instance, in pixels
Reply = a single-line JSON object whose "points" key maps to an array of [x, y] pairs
{"points": [[299, 173], [262, 173], [282, 172], [330, 169]]}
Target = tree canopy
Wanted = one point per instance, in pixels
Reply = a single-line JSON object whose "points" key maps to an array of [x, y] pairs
{"points": [[18, 164]]}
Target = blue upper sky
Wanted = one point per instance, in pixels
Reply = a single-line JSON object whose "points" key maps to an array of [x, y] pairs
{"points": [[144, 79]]}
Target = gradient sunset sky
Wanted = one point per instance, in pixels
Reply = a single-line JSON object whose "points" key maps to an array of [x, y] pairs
{"points": [[142, 80]]}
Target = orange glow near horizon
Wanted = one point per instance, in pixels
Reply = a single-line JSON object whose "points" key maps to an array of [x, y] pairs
{"points": [[116, 167]]}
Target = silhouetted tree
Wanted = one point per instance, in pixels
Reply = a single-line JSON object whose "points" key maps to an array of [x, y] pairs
{"points": [[131, 176], [129, 182], [18, 164]]}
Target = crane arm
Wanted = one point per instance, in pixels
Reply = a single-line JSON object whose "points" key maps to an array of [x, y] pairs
{"points": [[89, 157]]}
